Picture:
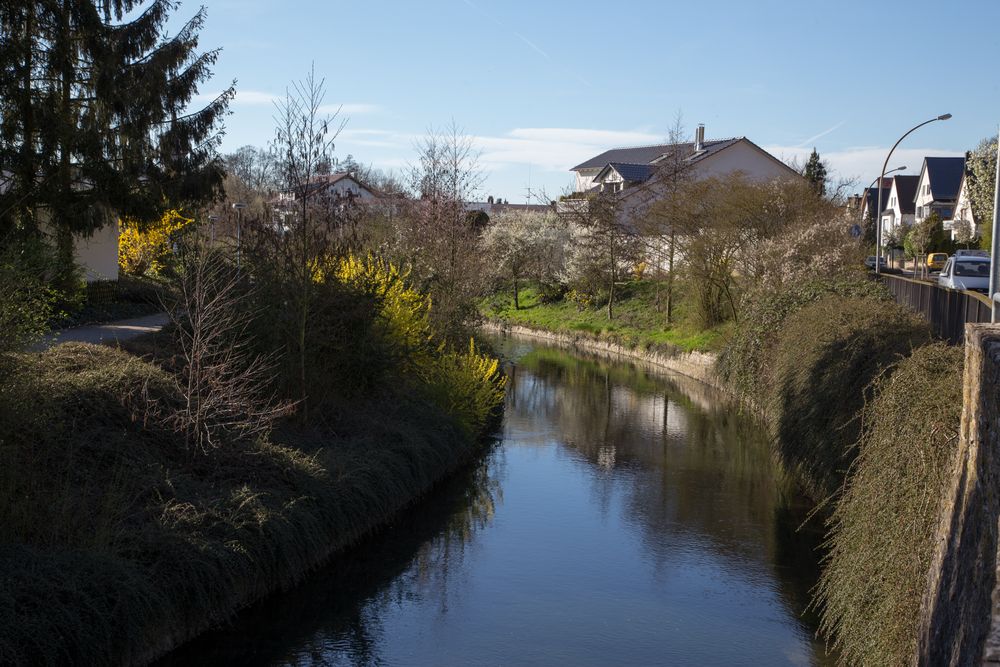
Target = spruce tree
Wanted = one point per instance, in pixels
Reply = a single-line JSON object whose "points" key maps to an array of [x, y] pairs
{"points": [[815, 173], [94, 120]]}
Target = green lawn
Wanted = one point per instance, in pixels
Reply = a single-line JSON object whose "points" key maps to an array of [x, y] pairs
{"points": [[637, 322]]}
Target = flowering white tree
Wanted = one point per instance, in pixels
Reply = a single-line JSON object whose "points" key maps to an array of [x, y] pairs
{"points": [[523, 244]]}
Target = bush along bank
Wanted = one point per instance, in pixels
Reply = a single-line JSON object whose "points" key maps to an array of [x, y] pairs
{"points": [[865, 409], [119, 539]]}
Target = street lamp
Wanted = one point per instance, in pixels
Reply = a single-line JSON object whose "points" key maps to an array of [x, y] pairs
{"points": [[239, 206], [878, 211], [864, 193]]}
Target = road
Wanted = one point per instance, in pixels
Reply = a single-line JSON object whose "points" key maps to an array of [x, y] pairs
{"points": [[108, 333]]}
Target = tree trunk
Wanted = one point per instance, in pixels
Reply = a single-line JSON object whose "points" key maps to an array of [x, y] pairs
{"points": [[611, 290], [670, 278], [517, 303]]}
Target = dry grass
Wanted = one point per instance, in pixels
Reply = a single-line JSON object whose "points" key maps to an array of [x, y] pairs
{"points": [[881, 538], [118, 541], [824, 362]]}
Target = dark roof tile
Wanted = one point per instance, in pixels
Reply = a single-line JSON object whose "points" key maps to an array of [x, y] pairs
{"points": [[945, 174], [649, 154]]}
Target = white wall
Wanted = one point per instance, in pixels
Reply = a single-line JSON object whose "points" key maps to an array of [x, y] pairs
{"points": [[743, 157], [98, 255]]}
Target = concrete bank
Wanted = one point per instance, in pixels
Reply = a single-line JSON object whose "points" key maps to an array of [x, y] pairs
{"points": [[697, 365]]}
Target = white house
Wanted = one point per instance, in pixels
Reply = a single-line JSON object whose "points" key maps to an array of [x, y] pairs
{"points": [[898, 207], [340, 187], [619, 169], [963, 211], [937, 187]]}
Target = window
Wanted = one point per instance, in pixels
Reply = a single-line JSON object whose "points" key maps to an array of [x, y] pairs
{"points": [[981, 269]]}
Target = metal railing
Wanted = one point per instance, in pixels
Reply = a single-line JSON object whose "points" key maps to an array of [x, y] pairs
{"points": [[946, 310]]}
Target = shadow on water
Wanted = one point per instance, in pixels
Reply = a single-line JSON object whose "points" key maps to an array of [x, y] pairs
{"points": [[626, 517], [333, 617]]}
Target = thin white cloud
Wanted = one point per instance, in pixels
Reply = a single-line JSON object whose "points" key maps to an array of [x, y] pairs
{"points": [[553, 149], [822, 134], [588, 136]]}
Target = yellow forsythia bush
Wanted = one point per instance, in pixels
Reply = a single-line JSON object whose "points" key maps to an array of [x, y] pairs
{"points": [[468, 384], [144, 249]]}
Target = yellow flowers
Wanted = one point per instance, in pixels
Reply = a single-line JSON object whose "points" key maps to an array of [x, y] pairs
{"points": [[404, 311], [467, 384], [145, 249]]}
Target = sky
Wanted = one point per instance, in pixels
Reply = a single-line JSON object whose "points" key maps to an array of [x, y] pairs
{"points": [[542, 86]]}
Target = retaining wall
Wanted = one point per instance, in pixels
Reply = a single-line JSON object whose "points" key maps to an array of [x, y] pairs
{"points": [[960, 614]]}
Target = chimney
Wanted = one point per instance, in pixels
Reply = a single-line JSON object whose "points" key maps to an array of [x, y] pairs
{"points": [[699, 138]]}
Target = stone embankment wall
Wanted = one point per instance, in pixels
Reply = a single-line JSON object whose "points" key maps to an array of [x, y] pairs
{"points": [[697, 365], [960, 614]]}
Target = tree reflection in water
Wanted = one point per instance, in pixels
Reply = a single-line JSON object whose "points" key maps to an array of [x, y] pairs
{"points": [[666, 483]]}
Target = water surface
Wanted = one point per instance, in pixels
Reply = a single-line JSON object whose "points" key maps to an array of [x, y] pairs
{"points": [[622, 518]]}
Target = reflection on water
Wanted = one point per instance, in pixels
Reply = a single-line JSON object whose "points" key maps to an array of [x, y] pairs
{"points": [[623, 518]]}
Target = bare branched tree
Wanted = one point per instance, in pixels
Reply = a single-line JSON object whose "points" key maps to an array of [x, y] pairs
{"points": [[438, 236], [302, 236], [226, 386]]}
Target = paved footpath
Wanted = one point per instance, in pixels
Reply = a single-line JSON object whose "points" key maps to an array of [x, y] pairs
{"points": [[108, 333]]}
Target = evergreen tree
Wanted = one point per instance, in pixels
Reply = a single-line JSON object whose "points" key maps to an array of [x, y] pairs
{"points": [[815, 173], [93, 117]]}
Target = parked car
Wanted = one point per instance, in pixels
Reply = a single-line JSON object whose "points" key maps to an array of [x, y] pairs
{"points": [[870, 262], [936, 260], [971, 253], [970, 273]]}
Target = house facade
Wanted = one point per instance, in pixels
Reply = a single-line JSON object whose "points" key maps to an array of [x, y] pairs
{"points": [[898, 207], [962, 212], [938, 186], [621, 169], [337, 188]]}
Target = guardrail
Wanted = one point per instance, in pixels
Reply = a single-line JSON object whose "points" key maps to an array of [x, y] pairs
{"points": [[947, 310]]}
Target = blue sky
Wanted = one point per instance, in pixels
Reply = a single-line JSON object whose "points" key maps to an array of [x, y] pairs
{"points": [[544, 85]]}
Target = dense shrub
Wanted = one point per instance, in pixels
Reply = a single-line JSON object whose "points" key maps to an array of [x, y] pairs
{"points": [[881, 540], [826, 356], [746, 360], [112, 538], [465, 383]]}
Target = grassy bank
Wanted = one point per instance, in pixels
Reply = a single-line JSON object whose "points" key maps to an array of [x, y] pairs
{"points": [[118, 543], [865, 409], [145, 496], [639, 321]]}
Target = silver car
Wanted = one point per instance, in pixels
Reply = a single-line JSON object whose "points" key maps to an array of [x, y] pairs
{"points": [[967, 273]]}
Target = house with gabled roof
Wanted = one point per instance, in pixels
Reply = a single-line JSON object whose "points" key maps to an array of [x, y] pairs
{"points": [[937, 187], [962, 211], [619, 168], [898, 206]]}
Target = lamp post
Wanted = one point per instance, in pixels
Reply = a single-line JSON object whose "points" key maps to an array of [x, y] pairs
{"points": [[864, 193], [239, 206], [995, 242], [878, 211]]}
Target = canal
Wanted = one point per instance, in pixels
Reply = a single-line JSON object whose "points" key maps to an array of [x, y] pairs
{"points": [[623, 517]]}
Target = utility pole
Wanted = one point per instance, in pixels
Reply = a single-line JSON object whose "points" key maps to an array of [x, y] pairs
{"points": [[995, 245]]}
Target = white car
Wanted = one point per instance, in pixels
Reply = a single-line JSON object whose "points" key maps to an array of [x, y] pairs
{"points": [[967, 272]]}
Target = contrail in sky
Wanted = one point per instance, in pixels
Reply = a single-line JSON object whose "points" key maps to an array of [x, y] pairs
{"points": [[820, 135], [534, 47]]}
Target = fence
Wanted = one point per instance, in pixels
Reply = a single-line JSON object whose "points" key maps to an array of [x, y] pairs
{"points": [[947, 310]]}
